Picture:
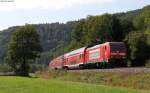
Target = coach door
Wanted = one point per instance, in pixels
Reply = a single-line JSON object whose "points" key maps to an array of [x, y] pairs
{"points": [[104, 53]]}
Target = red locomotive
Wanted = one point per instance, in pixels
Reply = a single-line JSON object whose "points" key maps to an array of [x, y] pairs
{"points": [[104, 55]]}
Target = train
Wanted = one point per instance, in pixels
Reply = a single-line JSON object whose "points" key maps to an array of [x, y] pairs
{"points": [[105, 55]]}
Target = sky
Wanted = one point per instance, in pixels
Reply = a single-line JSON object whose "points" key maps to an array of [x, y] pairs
{"points": [[20, 12]]}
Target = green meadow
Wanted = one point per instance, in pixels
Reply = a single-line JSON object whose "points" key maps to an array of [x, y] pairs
{"points": [[14, 84]]}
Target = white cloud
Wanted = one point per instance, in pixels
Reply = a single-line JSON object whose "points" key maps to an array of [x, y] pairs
{"points": [[47, 4]]}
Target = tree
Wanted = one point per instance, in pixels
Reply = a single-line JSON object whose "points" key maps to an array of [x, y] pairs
{"points": [[142, 21], [24, 47], [138, 48], [95, 30]]}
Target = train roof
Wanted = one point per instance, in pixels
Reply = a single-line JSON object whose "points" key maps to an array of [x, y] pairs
{"points": [[114, 42], [57, 58], [75, 51], [96, 46]]}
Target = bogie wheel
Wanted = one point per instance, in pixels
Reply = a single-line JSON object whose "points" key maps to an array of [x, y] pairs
{"points": [[81, 67], [65, 67]]}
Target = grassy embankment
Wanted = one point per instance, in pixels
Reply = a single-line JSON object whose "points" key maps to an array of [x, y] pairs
{"points": [[12, 84], [139, 81]]}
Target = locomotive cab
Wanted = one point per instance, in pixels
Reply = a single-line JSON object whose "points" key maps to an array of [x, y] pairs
{"points": [[118, 54], [114, 53], [117, 50]]}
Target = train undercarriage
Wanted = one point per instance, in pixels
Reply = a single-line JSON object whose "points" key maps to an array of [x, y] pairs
{"points": [[113, 63]]}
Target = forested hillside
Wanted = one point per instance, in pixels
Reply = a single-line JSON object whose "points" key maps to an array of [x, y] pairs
{"points": [[132, 27], [53, 37]]}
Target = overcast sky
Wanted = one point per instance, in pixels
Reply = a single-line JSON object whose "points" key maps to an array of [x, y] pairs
{"points": [[20, 12]]}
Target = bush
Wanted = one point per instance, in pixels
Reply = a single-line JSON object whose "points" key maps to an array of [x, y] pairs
{"points": [[147, 63], [4, 68], [138, 49], [37, 67]]}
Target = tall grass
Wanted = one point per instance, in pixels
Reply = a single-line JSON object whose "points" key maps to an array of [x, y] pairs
{"points": [[11, 84], [128, 80]]}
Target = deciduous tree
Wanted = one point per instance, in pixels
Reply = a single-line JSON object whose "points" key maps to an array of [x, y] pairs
{"points": [[24, 47]]}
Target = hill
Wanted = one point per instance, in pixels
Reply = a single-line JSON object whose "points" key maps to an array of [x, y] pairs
{"points": [[52, 36]]}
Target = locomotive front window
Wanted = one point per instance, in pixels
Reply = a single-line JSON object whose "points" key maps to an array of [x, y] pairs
{"points": [[117, 47]]}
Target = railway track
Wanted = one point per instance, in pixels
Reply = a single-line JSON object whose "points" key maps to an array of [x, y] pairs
{"points": [[125, 70]]}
